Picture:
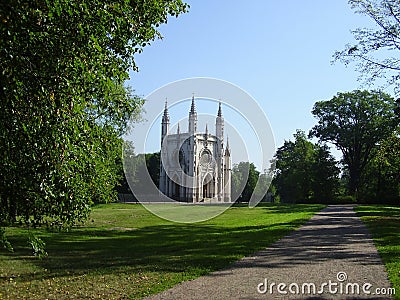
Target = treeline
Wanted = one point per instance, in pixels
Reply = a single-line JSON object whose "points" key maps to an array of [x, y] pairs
{"points": [[364, 126]]}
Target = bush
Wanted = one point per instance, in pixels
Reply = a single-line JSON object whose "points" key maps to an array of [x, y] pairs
{"points": [[346, 199], [4, 243]]}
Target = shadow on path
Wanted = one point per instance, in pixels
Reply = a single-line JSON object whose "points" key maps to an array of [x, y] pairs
{"points": [[333, 247]]}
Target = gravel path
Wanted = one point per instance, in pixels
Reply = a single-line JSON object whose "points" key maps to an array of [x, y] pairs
{"points": [[334, 250]]}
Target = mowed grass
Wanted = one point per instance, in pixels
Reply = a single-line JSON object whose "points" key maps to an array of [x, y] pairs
{"points": [[384, 224], [125, 252]]}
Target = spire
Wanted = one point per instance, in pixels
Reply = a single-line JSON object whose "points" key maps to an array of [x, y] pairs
{"points": [[219, 110], [227, 148], [219, 124], [165, 117], [192, 117], [165, 122], [206, 129], [178, 130], [193, 107]]}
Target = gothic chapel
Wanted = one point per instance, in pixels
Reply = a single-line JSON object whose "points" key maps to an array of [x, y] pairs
{"points": [[195, 167]]}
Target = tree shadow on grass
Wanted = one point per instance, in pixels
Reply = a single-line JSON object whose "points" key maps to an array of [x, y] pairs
{"points": [[378, 211], [384, 223], [177, 248], [164, 248], [199, 249]]}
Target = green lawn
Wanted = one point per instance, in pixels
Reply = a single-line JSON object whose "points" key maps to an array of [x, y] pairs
{"points": [[384, 224], [123, 251]]}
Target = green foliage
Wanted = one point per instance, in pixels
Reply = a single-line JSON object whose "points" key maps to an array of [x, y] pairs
{"points": [[4, 243], [381, 181], [63, 105], [129, 167], [263, 189], [38, 246], [325, 174], [244, 180], [153, 166], [305, 172], [140, 169], [355, 122], [376, 50], [345, 199]]}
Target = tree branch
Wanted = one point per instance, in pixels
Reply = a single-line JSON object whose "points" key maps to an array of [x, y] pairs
{"points": [[393, 14], [383, 66]]}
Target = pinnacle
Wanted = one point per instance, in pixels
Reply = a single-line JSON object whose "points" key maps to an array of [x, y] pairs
{"points": [[166, 114], [193, 107]]}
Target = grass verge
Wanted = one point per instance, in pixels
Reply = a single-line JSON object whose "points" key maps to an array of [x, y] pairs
{"points": [[384, 225], [125, 252]]}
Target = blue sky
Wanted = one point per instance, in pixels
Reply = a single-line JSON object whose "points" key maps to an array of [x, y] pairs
{"points": [[279, 52]]}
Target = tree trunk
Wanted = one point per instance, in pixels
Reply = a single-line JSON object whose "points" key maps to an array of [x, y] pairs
{"points": [[354, 182]]}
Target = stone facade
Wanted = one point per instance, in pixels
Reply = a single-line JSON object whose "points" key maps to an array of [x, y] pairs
{"points": [[195, 167]]}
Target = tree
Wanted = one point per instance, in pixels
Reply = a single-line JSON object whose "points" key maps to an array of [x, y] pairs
{"points": [[381, 181], [63, 103], [355, 122], [138, 169], [244, 180], [373, 46], [127, 172], [262, 189], [324, 175], [293, 169], [153, 166], [305, 172]]}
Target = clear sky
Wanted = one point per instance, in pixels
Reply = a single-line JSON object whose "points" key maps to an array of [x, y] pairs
{"points": [[279, 52]]}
